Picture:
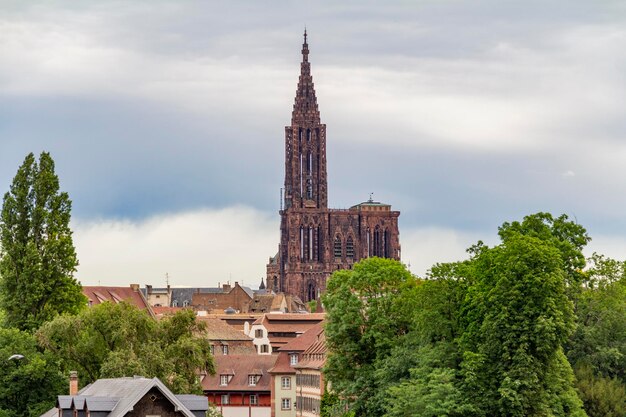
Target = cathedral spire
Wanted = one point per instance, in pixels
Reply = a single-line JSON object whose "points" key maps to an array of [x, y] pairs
{"points": [[305, 108]]}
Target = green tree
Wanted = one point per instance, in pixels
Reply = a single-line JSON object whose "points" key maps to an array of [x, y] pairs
{"points": [[369, 309], [115, 340], [37, 256], [602, 396], [517, 319], [28, 386]]}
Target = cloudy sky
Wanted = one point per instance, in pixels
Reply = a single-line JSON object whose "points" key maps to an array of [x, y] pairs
{"points": [[166, 121]]}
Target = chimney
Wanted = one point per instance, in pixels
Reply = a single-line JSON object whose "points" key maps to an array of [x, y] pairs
{"points": [[73, 382], [135, 287]]}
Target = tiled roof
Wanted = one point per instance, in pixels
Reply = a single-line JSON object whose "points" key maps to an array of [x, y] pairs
{"points": [[240, 367], [282, 365], [100, 294], [162, 311], [303, 342], [219, 330], [314, 357]]}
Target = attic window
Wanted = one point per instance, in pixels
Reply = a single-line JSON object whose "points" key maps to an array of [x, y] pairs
{"points": [[224, 379], [252, 379], [293, 359]]}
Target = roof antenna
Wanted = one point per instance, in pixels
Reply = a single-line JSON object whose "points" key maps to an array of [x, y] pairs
{"points": [[371, 200]]}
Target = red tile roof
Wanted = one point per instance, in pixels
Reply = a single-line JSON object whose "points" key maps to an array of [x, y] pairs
{"points": [[240, 367], [303, 342], [220, 330], [131, 294]]}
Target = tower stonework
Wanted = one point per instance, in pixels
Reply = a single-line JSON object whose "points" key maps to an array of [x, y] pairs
{"points": [[315, 241]]}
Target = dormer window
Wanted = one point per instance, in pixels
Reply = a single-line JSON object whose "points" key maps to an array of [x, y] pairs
{"points": [[224, 379], [252, 380], [225, 349], [293, 359]]}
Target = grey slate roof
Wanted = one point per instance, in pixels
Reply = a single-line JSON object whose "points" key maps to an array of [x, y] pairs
{"points": [[118, 396]]}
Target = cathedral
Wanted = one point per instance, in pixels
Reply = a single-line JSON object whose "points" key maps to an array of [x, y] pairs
{"points": [[315, 241]]}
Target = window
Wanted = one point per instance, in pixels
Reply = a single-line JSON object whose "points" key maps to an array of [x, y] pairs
{"points": [[337, 247], [223, 379], [186, 303], [265, 348], [285, 382], [225, 349], [175, 303], [293, 359], [258, 333], [213, 350], [254, 400], [252, 380], [225, 399], [285, 404], [350, 248]]}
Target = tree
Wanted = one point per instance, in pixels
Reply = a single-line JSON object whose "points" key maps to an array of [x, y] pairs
{"points": [[115, 340], [28, 386], [368, 310], [518, 317], [37, 256]]}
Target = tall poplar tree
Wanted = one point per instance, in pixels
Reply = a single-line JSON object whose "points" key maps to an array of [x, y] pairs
{"points": [[37, 256]]}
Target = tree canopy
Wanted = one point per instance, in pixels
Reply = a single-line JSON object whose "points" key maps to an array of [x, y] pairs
{"points": [[37, 256], [115, 340]]}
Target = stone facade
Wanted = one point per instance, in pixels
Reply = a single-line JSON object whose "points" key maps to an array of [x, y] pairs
{"points": [[316, 240]]}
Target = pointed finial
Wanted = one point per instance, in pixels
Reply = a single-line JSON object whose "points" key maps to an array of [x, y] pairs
{"points": [[305, 34]]}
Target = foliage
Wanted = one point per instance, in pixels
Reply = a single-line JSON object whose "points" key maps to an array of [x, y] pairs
{"points": [[29, 386], [114, 340], [368, 308], [517, 318], [602, 396], [37, 258]]}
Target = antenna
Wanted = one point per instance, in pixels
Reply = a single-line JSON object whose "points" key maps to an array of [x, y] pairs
{"points": [[167, 279], [371, 200]]}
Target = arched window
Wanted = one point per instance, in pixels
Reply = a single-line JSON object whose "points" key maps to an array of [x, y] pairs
{"points": [[308, 135], [311, 293], [302, 243], [350, 248], [320, 247], [275, 283], [337, 247]]}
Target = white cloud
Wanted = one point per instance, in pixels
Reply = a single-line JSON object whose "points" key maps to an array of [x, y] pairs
{"points": [[196, 248]]}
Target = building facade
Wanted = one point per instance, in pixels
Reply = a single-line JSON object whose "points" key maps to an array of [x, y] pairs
{"points": [[316, 240]]}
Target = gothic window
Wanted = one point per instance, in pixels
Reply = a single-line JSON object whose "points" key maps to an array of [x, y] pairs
{"points": [[309, 163], [275, 284], [308, 135], [301, 243], [377, 242], [337, 247], [311, 291], [367, 233], [320, 247], [309, 189], [350, 248], [310, 243]]}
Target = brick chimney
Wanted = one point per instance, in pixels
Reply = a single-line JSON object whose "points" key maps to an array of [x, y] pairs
{"points": [[73, 382]]}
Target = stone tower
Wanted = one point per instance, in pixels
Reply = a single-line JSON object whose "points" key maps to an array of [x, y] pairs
{"points": [[316, 240]]}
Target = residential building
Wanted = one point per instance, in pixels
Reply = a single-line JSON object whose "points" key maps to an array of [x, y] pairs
{"points": [[284, 372], [271, 331], [158, 297], [310, 384], [315, 241], [225, 339], [237, 297], [117, 397], [241, 386]]}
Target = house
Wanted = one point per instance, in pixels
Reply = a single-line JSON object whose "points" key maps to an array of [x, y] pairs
{"points": [[284, 398], [238, 298], [158, 297], [131, 294], [269, 302], [225, 339], [132, 397], [271, 331], [241, 386], [310, 384]]}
